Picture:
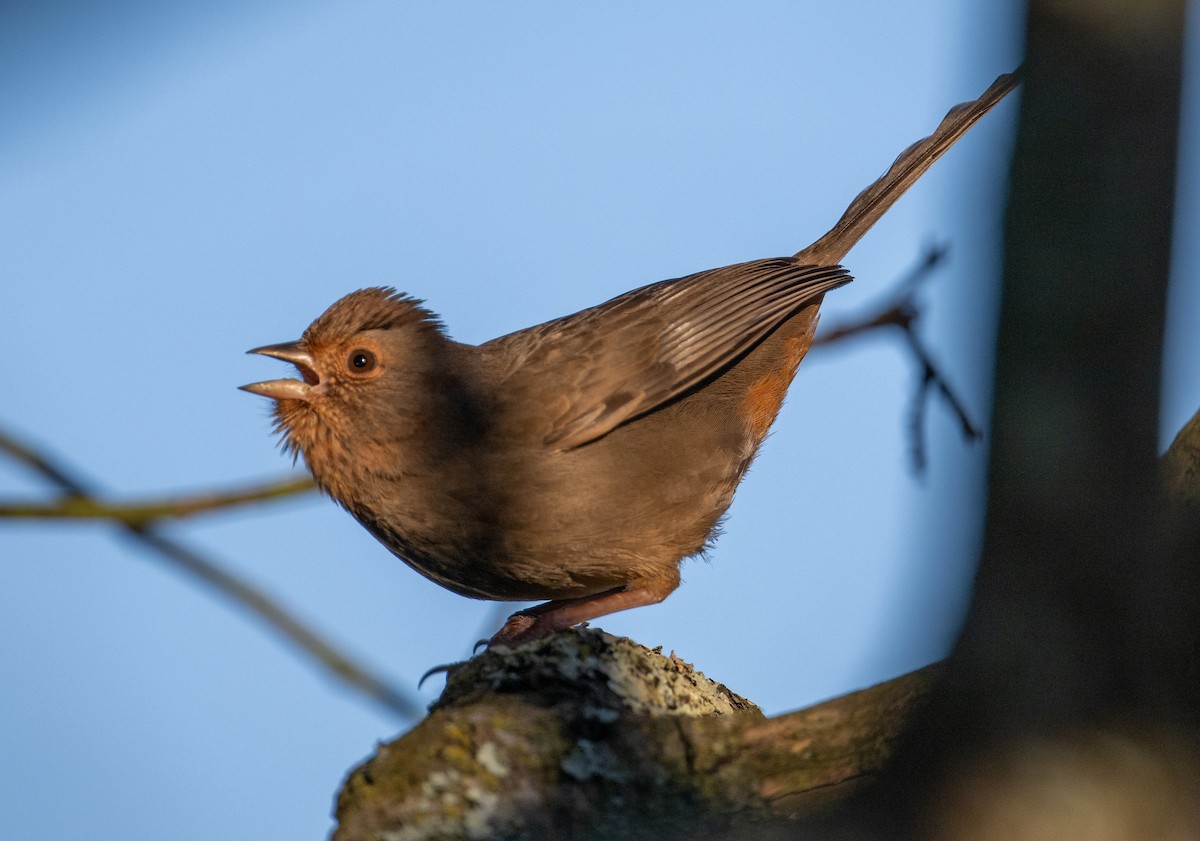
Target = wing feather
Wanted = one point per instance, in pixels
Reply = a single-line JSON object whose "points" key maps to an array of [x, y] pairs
{"points": [[630, 355]]}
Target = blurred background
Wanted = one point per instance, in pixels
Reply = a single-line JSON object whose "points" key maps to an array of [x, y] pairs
{"points": [[180, 183]]}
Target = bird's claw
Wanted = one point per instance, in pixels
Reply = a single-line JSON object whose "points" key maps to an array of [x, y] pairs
{"points": [[445, 667]]}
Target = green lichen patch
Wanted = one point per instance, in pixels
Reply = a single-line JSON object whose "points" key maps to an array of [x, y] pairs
{"points": [[451, 777]]}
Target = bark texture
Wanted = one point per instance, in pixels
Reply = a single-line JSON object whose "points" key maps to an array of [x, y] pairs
{"points": [[589, 736]]}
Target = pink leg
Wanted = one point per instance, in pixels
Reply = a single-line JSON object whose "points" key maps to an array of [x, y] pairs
{"points": [[553, 616]]}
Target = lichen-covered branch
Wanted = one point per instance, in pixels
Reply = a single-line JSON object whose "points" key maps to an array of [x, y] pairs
{"points": [[587, 736]]}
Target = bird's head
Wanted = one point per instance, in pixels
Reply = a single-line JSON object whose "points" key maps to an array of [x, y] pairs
{"points": [[357, 365]]}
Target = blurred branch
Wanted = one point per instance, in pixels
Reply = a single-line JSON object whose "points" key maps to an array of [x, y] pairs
{"points": [[44, 465], [74, 507], [81, 492], [900, 310], [903, 312]]}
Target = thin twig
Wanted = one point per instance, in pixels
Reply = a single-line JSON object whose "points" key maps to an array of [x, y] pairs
{"points": [[42, 464], [72, 506], [300, 634], [323, 652], [932, 378], [902, 312]]}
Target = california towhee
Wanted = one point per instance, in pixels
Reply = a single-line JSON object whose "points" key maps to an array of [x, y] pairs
{"points": [[580, 460]]}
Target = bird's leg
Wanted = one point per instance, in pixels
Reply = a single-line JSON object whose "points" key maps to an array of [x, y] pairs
{"points": [[544, 619]]}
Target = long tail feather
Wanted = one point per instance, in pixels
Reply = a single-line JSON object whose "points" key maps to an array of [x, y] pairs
{"points": [[874, 201]]}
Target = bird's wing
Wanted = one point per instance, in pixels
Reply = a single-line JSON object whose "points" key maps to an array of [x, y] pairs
{"points": [[603, 366]]}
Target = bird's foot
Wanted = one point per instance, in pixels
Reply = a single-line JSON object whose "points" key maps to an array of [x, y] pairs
{"points": [[542, 620], [520, 628]]}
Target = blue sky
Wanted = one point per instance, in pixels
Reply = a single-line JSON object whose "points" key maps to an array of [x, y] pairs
{"points": [[179, 184]]}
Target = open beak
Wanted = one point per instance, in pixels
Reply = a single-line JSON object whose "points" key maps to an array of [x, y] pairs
{"points": [[292, 352]]}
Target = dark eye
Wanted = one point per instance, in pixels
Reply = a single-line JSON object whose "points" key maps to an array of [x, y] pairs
{"points": [[361, 361]]}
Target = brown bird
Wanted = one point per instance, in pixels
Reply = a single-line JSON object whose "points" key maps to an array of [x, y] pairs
{"points": [[580, 460]]}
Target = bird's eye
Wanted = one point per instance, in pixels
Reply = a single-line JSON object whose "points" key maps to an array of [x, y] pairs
{"points": [[361, 361]]}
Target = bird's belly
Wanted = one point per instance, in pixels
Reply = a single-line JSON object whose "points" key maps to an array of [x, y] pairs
{"points": [[503, 564]]}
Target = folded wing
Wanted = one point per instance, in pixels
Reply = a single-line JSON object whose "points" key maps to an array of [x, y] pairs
{"points": [[630, 355]]}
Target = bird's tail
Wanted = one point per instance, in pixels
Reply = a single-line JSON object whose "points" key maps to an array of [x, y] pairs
{"points": [[874, 201]]}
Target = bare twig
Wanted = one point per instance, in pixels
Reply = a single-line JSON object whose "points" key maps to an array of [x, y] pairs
{"points": [[320, 650], [42, 464], [931, 378], [72, 506], [902, 311]]}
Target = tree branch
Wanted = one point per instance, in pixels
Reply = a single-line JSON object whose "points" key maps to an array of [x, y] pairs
{"points": [[584, 735]]}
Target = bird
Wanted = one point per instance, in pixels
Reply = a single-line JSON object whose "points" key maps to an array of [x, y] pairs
{"points": [[580, 461]]}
